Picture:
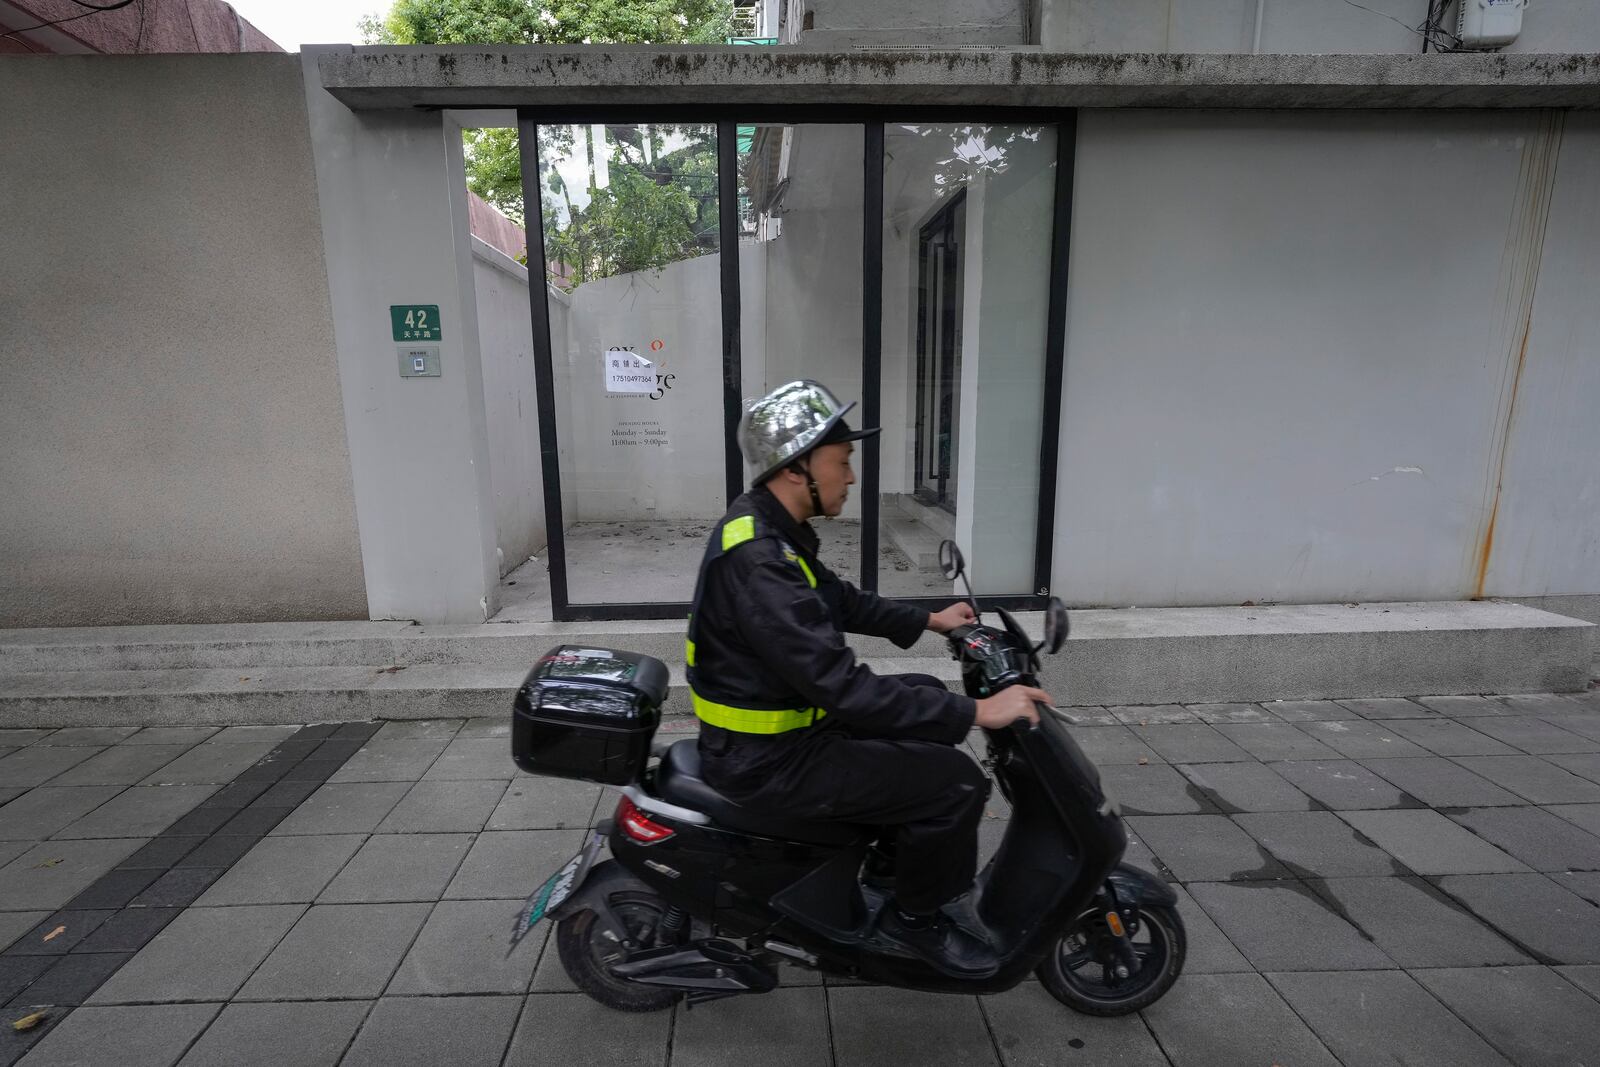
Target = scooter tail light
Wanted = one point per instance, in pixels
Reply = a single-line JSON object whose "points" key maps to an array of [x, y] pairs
{"points": [[639, 826]]}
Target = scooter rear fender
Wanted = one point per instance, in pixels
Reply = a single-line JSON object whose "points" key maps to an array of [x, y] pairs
{"points": [[604, 879], [1140, 888]]}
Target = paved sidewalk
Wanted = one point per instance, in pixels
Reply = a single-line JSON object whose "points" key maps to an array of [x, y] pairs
{"points": [[1380, 881]]}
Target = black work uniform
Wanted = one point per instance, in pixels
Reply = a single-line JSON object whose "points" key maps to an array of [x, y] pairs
{"points": [[793, 724]]}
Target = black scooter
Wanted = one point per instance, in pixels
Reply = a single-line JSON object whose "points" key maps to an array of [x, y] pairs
{"points": [[703, 899]]}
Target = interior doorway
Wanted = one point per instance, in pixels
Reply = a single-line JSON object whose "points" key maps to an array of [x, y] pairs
{"points": [[941, 268]]}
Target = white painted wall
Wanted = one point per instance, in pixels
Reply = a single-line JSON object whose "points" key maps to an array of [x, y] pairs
{"points": [[392, 192], [1289, 352], [843, 24], [510, 405], [174, 446], [1287, 26]]}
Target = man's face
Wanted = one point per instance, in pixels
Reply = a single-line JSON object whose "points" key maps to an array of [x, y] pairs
{"points": [[830, 469]]}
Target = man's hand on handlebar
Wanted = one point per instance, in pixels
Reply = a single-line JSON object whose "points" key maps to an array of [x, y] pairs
{"points": [[957, 614], [1009, 705]]}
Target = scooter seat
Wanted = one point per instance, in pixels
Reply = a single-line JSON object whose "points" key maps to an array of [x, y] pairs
{"points": [[678, 781]]}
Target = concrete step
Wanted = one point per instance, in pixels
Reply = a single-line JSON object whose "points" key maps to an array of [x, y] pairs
{"points": [[914, 541], [249, 646]]}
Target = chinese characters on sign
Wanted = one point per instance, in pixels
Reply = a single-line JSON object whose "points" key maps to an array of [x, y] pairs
{"points": [[415, 322], [628, 372]]}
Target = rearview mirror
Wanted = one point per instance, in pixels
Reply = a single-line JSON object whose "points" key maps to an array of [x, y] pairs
{"points": [[951, 563], [1055, 625]]}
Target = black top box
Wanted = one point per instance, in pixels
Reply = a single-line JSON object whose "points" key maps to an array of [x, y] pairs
{"points": [[588, 714]]}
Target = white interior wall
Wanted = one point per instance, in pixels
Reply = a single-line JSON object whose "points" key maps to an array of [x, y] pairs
{"points": [[1288, 342], [510, 404]]}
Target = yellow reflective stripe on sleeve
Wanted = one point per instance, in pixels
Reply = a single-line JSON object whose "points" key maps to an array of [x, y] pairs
{"points": [[752, 720], [688, 653], [738, 531], [811, 579]]}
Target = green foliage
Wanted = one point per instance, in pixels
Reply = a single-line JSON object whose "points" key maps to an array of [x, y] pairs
{"points": [[652, 213]]}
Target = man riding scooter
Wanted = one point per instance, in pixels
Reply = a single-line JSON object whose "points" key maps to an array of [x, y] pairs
{"points": [[793, 724]]}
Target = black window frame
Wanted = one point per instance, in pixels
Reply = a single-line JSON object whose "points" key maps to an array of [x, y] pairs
{"points": [[727, 118]]}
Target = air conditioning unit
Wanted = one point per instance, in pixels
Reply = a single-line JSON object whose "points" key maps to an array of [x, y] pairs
{"points": [[1489, 23]]}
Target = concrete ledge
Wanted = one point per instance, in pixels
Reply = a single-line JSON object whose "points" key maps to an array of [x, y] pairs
{"points": [[643, 76], [1315, 651]]}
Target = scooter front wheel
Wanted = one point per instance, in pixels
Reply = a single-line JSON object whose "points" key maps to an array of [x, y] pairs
{"points": [[589, 949], [1082, 971]]}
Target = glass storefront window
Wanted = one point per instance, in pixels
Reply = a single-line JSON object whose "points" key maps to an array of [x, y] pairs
{"points": [[967, 222]]}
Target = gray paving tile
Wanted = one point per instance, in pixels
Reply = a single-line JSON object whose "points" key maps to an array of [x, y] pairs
{"points": [[96, 736], [1429, 843], [33, 766], [1446, 737], [1209, 950], [1089, 715], [1416, 924], [13, 924], [178, 888], [1583, 816], [1307, 710], [48, 875], [1586, 723], [10, 850], [122, 765], [143, 1035], [419, 730], [462, 949], [559, 1030], [1032, 1030], [391, 761], [1537, 913], [70, 979], [1111, 745], [1584, 883], [1317, 843], [427, 1031], [1362, 739], [114, 889], [233, 735], [1541, 840], [1382, 1017], [42, 811], [283, 870], [399, 867], [1199, 848], [1284, 926], [1233, 713], [1191, 744], [474, 757], [487, 726], [531, 803], [942, 1030], [1535, 735], [139, 811], [1585, 765], [209, 764], [1260, 1028], [1465, 707], [303, 1034], [171, 735], [128, 930], [444, 807], [21, 738], [1152, 714], [1275, 741], [549, 976], [1541, 704], [512, 863], [17, 971], [1586, 978], [1533, 778], [204, 954], [343, 808], [787, 1025], [10, 793], [337, 950], [1530, 1014], [1235, 787], [1388, 708], [1441, 783], [1344, 785], [1153, 789], [59, 932]]}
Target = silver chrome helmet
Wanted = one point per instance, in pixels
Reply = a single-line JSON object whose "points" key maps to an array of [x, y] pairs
{"points": [[790, 421]]}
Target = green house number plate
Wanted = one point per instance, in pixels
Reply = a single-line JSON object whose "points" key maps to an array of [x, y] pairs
{"points": [[415, 322]]}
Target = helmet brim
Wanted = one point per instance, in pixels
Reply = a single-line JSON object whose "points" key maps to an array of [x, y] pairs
{"points": [[826, 437]]}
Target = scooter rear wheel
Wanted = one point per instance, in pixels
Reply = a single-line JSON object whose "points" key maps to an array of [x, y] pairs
{"points": [[1080, 972], [588, 949]]}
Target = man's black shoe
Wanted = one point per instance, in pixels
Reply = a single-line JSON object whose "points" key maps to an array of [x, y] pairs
{"points": [[941, 943]]}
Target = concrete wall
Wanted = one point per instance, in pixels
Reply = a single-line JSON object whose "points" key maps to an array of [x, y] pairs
{"points": [[1287, 26], [392, 191], [1292, 358], [841, 24], [510, 406], [169, 399]]}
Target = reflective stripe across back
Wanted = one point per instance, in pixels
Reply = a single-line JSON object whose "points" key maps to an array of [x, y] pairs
{"points": [[754, 720]]}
